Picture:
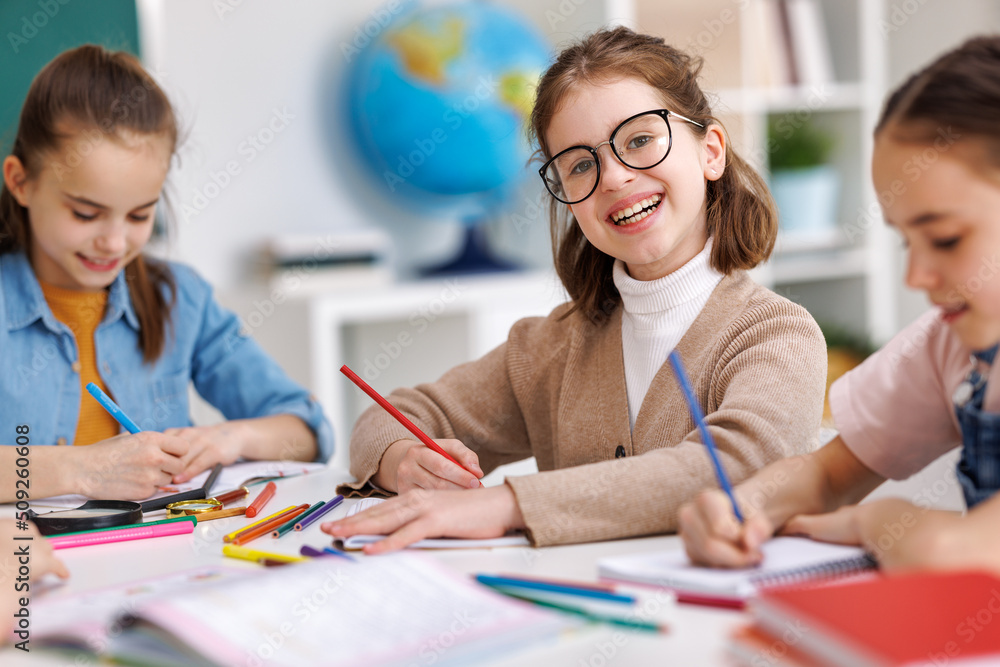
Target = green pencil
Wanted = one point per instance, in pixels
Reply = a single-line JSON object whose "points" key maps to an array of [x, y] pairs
{"points": [[634, 623], [289, 525]]}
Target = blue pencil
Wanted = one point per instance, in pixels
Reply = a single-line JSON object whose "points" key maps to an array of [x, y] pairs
{"points": [[706, 437], [112, 408], [554, 587]]}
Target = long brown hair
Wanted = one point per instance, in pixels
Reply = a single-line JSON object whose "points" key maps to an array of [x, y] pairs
{"points": [[740, 212], [959, 94], [86, 94]]}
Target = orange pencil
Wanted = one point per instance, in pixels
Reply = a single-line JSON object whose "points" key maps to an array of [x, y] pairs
{"points": [[228, 537], [268, 526], [258, 503]]}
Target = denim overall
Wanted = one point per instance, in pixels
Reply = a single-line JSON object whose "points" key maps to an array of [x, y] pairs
{"points": [[979, 468]]}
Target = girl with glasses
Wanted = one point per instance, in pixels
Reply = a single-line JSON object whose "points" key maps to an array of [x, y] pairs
{"points": [[932, 388], [655, 221]]}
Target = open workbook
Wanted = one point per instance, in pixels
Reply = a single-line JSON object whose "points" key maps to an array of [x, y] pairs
{"points": [[399, 609], [787, 560], [359, 541]]}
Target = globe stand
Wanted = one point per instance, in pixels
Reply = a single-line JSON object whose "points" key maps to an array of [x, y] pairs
{"points": [[475, 257]]}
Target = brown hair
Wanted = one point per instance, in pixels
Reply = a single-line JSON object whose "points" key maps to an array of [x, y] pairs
{"points": [[87, 93], [739, 209], [958, 93]]}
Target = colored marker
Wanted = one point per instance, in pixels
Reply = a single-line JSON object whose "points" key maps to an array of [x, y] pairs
{"points": [[112, 408], [122, 535], [258, 503], [223, 514], [234, 551], [313, 552], [230, 496], [706, 436]]}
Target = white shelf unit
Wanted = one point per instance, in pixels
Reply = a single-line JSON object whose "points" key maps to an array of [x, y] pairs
{"points": [[848, 278], [393, 335]]}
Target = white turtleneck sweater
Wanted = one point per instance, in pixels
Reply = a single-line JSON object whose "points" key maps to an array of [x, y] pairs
{"points": [[657, 313]]}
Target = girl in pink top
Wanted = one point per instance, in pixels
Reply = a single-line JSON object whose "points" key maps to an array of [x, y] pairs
{"points": [[934, 387]]}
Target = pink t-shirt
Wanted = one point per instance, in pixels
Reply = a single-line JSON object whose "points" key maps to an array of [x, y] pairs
{"points": [[894, 411]]}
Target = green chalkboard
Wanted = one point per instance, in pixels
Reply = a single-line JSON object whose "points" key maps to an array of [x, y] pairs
{"points": [[33, 32]]}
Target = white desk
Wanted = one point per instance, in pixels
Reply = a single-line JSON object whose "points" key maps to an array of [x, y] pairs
{"points": [[697, 637]]}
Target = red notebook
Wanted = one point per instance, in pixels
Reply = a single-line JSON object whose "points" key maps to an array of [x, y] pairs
{"points": [[926, 619]]}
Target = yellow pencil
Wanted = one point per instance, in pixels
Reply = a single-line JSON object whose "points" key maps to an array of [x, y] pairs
{"points": [[230, 536], [255, 555]]}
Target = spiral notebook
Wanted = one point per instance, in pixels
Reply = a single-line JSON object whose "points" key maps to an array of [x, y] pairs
{"points": [[787, 560]]}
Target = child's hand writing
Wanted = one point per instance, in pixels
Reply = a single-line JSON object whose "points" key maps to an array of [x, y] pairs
{"points": [[714, 536], [420, 514], [128, 466], [408, 465]]}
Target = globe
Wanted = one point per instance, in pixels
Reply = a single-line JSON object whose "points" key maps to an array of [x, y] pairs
{"points": [[439, 103]]}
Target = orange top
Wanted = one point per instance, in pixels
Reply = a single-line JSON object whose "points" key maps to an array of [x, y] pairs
{"points": [[82, 312]]}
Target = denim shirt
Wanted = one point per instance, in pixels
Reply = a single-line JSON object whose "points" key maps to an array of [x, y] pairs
{"points": [[40, 389]]}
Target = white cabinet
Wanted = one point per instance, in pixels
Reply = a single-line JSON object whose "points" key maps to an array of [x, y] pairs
{"points": [[847, 279], [391, 335]]}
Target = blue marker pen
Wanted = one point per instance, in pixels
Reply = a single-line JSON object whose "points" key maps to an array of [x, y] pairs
{"points": [[706, 437], [112, 408]]}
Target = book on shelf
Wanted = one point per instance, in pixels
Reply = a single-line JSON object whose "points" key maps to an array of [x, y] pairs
{"points": [[390, 610], [791, 45], [904, 620], [787, 560]]}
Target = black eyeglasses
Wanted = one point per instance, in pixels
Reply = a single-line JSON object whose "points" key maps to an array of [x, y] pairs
{"points": [[640, 142]]}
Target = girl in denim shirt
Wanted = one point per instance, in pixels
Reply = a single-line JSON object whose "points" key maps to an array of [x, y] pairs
{"points": [[79, 303]]}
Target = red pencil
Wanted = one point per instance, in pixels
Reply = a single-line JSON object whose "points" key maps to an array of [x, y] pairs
{"points": [[400, 417], [258, 503]]}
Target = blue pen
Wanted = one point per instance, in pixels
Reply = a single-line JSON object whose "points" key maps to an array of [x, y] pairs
{"points": [[112, 408], [706, 437]]}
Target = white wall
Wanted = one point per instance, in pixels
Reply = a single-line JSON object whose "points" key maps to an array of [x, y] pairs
{"points": [[233, 74], [921, 30]]}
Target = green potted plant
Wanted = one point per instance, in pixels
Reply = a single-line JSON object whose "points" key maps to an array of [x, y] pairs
{"points": [[804, 184]]}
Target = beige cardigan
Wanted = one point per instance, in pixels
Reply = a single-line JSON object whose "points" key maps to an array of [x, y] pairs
{"points": [[556, 391]]}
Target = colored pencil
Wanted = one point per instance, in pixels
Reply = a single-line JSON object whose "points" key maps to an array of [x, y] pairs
{"points": [[562, 588], [399, 416], [699, 419], [291, 523], [229, 536], [264, 528], [305, 521]]}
